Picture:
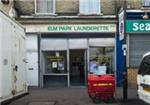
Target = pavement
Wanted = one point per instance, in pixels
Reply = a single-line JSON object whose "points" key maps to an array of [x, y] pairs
{"points": [[72, 96]]}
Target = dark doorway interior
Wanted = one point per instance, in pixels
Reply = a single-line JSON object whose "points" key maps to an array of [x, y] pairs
{"points": [[77, 67]]}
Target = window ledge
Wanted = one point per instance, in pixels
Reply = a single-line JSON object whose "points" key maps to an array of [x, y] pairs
{"points": [[138, 10], [66, 17], [45, 14], [145, 8], [82, 14]]}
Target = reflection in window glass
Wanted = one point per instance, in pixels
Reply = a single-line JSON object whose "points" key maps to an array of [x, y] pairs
{"points": [[55, 62], [101, 60]]}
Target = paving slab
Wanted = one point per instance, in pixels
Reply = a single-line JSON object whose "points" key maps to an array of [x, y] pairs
{"points": [[72, 96], [41, 103]]}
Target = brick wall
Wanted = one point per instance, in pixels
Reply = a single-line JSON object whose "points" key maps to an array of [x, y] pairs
{"points": [[108, 7], [24, 7], [134, 4], [67, 6], [132, 77], [62, 6]]}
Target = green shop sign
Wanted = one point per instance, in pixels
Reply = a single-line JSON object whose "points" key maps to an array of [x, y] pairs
{"points": [[134, 26], [83, 28]]}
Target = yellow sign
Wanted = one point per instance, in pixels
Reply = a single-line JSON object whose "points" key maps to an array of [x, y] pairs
{"points": [[103, 84], [55, 58]]}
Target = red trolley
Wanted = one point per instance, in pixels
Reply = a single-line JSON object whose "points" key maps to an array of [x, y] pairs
{"points": [[101, 87]]}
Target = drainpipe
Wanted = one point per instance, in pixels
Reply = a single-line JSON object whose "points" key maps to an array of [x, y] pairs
{"points": [[124, 46]]}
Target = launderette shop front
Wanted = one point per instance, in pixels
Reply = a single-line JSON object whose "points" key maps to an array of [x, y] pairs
{"points": [[65, 51]]}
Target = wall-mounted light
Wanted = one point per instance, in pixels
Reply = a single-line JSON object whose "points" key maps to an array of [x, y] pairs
{"points": [[145, 16]]}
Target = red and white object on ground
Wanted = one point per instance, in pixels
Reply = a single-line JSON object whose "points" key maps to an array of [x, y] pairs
{"points": [[101, 87]]}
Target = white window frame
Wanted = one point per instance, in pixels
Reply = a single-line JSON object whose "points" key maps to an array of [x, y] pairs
{"points": [[99, 12], [147, 5], [37, 13]]}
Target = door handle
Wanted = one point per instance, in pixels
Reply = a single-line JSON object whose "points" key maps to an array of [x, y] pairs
{"points": [[16, 68]]}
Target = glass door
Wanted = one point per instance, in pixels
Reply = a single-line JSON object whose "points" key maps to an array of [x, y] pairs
{"points": [[77, 61], [77, 67]]}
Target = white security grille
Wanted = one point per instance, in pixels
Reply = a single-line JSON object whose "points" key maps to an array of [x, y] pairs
{"points": [[138, 46]]}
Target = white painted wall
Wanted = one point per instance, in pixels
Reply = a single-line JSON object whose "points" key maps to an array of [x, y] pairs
{"points": [[32, 60], [0, 58], [12, 53], [31, 42]]}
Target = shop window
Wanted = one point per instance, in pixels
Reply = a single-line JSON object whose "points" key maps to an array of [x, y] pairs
{"points": [[45, 7], [146, 3], [101, 60], [89, 7], [55, 62]]}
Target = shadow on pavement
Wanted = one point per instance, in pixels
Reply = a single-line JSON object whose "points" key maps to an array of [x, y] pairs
{"points": [[132, 102]]}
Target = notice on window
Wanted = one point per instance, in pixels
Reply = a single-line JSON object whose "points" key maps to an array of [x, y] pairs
{"points": [[101, 70], [54, 64]]}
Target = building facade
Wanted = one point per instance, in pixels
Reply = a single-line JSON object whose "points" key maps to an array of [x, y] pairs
{"points": [[64, 36], [137, 38]]}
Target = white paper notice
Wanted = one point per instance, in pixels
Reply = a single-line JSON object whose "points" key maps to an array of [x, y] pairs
{"points": [[54, 64], [101, 70]]}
